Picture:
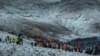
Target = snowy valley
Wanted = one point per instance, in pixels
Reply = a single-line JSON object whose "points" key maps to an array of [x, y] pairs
{"points": [[64, 20]]}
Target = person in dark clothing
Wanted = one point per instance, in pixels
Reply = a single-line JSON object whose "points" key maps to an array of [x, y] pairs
{"points": [[44, 42], [20, 40], [88, 50], [20, 37], [20, 34], [32, 44], [7, 39], [75, 48], [0, 39], [35, 44], [70, 48]]}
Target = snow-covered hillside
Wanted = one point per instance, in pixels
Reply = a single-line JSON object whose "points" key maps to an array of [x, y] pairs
{"points": [[11, 49], [81, 16], [75, 17], [61, 19]]}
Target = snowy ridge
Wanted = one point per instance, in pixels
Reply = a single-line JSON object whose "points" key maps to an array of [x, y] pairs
{"points": [[78, 16]]}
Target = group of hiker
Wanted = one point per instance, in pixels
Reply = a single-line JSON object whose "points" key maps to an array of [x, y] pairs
{"points": [[51, 43], [56, 44]]}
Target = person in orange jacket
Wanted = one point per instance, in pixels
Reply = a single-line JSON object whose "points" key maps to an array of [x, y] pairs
{"points": [[65, 46]]}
